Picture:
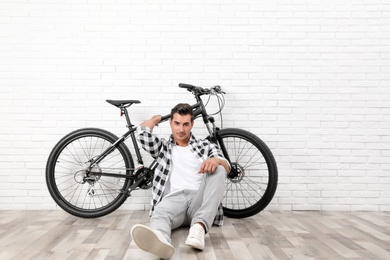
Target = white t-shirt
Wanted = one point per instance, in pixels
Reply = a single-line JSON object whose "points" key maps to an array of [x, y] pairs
{"points": [[184, 170]]}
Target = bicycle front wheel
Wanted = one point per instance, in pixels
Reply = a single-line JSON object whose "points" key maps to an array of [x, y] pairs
{"points": [[75, 183], [252, 181]]}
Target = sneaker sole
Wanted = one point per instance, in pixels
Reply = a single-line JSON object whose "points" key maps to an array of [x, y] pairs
{"points": [[146, 239], [194, 244]]}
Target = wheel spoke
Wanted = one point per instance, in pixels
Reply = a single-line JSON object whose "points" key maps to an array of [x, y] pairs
{"points": [[247, 183], [71, 177]]}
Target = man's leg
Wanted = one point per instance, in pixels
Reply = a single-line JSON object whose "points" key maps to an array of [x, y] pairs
{"points": [[204, 207], [168, 214]]}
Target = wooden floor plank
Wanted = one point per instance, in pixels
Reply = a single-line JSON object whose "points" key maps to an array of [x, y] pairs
{"points": [[268, 235]]}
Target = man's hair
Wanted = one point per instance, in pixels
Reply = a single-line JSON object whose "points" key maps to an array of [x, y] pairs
{"points": [[183, 109]]}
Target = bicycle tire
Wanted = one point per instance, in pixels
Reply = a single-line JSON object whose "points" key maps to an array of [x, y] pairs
{"points": [[65, 173], [252, 182]]}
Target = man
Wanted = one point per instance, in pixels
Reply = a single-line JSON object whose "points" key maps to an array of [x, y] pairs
{"points": [[188, 185]]}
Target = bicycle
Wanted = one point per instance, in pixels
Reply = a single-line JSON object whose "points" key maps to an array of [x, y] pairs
{"points": [[90, 172]]}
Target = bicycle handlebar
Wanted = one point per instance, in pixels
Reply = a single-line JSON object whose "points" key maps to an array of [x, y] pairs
{"points": [[194, 107], [165, 118], [184, 85], [197, 91]]}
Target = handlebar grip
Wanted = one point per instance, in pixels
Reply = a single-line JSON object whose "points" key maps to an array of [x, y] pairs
{"points": [[165, 118], [184, 85]]}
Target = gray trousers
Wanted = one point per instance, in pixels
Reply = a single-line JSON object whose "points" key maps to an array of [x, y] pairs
{"points": [[186, 207]]}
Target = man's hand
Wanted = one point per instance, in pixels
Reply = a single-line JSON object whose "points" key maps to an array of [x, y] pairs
{"points": [[211, 164], [154, 121]]}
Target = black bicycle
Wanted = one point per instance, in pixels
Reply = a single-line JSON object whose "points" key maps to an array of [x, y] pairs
{"points": [[90, 172]]}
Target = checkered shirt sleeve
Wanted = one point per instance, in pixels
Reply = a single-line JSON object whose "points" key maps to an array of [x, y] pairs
{"points": [[150, 143]]}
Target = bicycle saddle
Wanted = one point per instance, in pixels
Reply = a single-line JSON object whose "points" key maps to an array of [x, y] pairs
{"points": [[123, 103]]}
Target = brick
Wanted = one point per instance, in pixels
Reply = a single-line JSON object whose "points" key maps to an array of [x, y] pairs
{"points": [[310, 80]]}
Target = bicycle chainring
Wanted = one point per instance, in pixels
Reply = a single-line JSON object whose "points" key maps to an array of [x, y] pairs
{"points": [[147, 174]]}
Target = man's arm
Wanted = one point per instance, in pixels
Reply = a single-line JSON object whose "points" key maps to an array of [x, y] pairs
{"points": [[150, 142], [151, 123], [215, 159], [211, 164]]}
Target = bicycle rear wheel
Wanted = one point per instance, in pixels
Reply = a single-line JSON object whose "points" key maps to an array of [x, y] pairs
{"points": [[252, 181], [78, 191]]}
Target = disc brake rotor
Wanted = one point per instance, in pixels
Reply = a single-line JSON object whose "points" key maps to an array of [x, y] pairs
{"points": [[237, 173]]}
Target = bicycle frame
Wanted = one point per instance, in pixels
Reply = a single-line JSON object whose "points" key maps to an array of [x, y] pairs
{"points": [[78, 162], [199, 109]]}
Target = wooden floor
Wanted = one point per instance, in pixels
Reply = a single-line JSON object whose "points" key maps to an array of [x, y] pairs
{"points": [[268, 235]]}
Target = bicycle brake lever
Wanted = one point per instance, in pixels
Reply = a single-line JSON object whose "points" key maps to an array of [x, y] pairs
{"points": [[218, 89]]}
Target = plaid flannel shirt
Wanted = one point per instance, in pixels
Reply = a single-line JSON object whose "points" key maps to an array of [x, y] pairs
{"points": [[161, 150]]}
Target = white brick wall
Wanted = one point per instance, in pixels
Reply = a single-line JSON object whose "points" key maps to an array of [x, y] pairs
{"points": [[311, 78]]}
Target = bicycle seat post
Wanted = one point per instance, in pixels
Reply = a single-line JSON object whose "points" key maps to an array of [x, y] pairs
{"points": [[124, 112]]}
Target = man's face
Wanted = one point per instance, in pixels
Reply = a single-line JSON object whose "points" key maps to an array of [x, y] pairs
{"points": [[181, 128]]}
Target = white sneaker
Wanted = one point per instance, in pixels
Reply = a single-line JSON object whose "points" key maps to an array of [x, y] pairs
{"points": [[152, 241], [196, 237]]}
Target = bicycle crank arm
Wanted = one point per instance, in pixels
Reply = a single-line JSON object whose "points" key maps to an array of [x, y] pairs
{"points": [[133, 187]]}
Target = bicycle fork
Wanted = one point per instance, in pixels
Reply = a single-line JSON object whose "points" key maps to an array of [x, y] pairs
{"points": [[213, 131]]}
